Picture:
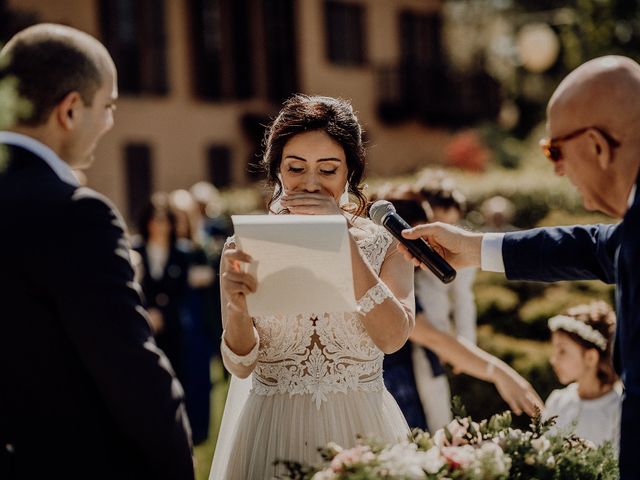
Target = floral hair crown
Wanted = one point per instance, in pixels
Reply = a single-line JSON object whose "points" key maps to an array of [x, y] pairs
{"points": [[584, 331]]}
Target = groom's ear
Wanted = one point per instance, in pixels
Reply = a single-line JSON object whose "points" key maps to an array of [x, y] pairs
{"points": [[67, 111]]}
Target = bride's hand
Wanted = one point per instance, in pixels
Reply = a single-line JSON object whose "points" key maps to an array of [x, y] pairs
{"points": [[235, 283], [308, 203]]}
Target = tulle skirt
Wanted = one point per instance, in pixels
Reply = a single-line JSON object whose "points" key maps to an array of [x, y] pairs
{"points": [[292, 428]]}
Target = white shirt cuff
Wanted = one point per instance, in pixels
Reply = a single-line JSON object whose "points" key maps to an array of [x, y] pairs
{"points": [[491, 252]]}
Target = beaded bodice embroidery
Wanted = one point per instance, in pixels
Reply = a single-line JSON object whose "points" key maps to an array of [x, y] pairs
{"points": [[317, 353]]}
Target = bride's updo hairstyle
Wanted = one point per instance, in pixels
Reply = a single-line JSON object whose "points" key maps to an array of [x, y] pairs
{"points": [[304, 113]]}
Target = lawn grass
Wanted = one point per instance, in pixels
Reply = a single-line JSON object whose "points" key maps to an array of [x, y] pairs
{"points": [[204, 451]]}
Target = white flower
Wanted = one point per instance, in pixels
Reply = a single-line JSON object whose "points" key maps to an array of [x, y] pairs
{"points": [[325, 475], [433, 460], [541, 444], [403, 460], [440, 439], [491, 458]]}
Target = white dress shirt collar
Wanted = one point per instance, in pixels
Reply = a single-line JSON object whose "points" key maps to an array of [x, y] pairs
{"points": [[56, 164], [632, 195]]}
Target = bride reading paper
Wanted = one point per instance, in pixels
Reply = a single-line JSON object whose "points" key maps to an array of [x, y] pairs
{"points": [[315, 377]]}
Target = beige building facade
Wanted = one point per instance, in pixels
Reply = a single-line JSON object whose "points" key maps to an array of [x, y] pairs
{"points": [[170, 136]]}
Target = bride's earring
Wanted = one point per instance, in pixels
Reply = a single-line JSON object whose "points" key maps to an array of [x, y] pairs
{"points": [[344, 198], [276, 206]]}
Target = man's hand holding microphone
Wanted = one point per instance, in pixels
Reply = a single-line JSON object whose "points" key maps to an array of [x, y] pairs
{"points": [[457, 246]]}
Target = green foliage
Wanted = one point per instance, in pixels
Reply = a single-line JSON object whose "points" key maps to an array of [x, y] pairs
{"points": [[522, 309], [497, 423], [11, 107], [457, 408], [495, 303]]}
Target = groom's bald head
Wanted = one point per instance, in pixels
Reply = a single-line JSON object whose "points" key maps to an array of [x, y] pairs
{"points": [[50, 61]]}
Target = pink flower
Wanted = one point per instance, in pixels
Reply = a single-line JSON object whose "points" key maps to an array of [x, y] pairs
{"points": [[459, 457], [361, 454], [458, 430]]}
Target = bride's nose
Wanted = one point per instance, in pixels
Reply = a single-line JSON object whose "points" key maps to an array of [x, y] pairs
{"points": [[311, 183]]}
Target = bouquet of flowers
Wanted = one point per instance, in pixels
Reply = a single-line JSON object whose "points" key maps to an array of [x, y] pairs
{"points": [[466, 450]]}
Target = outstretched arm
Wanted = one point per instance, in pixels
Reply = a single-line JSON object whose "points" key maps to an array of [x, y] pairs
{"points": [[467, 358], [549, 254]]}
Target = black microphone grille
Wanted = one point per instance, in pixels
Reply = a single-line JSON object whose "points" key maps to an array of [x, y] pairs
{"points": [[379, 210]]}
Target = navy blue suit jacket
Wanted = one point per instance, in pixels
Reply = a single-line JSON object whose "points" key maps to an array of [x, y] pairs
{"points": [[610, 253], [84, 391]]}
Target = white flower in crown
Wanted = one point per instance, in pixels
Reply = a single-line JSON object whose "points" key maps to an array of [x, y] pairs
{"points": [[584, 331]]}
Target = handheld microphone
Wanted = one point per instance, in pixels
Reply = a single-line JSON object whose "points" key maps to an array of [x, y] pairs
{"points": [[384, 213]]}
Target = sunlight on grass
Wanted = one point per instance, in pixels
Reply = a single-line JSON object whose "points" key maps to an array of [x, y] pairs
{"points": [[204, 451]]}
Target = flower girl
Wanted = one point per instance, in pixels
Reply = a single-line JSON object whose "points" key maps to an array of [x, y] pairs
{"points": [[591, 403]]}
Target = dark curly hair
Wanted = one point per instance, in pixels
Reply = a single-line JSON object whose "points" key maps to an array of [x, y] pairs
{"points": [[304, 113]]}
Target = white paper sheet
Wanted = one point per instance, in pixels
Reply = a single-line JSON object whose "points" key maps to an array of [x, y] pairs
{"points": [[302, 263]]}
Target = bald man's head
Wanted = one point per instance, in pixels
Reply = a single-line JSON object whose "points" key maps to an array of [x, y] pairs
{"points": [[604, 92], [50, 61], [593, 119]]}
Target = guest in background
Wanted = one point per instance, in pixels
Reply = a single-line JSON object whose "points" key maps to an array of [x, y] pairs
{"points": [[164, 279], [211, 227], [450, 307], [498, 213], [582, 340], [197, 319]]}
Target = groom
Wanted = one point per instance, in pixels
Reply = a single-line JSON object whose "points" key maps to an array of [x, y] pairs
{"points": [[593, 122], [84, 391]]}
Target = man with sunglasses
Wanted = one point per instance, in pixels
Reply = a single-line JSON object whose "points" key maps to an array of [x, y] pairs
{"points": [[593, 119]]}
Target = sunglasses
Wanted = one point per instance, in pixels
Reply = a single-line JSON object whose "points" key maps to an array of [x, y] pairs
{"points": [[552, 149]]}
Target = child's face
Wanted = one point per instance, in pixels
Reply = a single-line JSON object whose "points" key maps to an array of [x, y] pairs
{"points": [[567, 358]]}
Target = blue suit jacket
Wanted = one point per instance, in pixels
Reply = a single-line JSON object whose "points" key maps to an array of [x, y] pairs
{"points": [[610, 253]]}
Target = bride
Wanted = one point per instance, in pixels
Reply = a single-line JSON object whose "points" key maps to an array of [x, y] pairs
{"points": [[315, 377]]}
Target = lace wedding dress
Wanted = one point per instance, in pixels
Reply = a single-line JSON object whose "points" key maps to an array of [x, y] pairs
{"points": [[318, 379]]}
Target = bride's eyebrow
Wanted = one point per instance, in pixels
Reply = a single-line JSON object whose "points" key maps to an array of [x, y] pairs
{"points": [[328, 159]]}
